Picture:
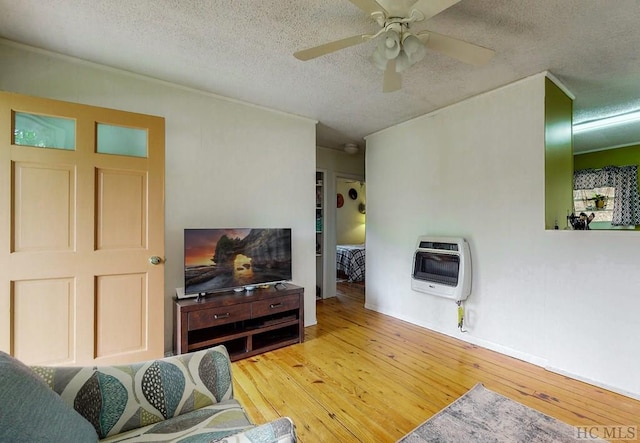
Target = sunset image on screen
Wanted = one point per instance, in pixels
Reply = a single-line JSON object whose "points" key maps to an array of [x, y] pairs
{"points": [[200, 244], [216, 260]]}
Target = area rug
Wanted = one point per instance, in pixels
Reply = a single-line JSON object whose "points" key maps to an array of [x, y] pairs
{"points": [[482, 415]]}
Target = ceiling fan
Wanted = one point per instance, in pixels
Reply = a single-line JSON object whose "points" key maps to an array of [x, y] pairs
{"points": [[397, 48]]}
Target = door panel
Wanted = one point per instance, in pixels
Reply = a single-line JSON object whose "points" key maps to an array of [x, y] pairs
{"points": [[44, 207], [121, 209], [44, 321], [78, 230], [121, 331]]}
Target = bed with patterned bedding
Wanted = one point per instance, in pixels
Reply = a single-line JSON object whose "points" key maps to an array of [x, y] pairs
{"points": [[350, 259]]}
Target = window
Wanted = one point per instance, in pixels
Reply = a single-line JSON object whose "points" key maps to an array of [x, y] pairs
{"points": [[600, 201], [612, 188]]}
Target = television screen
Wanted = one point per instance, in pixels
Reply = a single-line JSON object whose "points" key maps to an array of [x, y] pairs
{"points": [[223, 259]]}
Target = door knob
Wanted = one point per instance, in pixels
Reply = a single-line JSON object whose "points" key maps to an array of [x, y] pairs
{"points": [[155, 260]]}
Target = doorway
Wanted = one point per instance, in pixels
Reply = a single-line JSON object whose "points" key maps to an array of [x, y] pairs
{"points": [[350, 234]]}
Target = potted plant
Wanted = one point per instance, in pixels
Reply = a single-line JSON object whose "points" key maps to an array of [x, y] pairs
{"points": [[600, 200]]}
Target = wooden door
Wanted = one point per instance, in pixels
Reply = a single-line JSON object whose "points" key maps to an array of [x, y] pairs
{"points": [[82, 203]]}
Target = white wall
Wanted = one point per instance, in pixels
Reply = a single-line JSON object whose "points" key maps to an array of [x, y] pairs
{"points": [[566, 300], [228, 164]]}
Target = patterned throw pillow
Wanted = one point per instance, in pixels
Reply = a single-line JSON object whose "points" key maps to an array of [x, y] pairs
{"points": [[116, 399], [30, 411]]}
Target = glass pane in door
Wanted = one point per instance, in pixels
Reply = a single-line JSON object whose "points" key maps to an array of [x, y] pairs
{"points": [[43, 131], [121, 140]]}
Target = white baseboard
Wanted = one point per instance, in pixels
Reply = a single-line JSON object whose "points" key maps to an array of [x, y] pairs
{"points": [[529, 358], [593, 382]]}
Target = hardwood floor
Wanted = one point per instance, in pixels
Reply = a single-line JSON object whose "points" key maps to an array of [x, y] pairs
{"points": [[361, 376]]}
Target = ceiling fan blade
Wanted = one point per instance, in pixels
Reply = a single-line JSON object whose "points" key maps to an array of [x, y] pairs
{"points": [[433, 7], [392, 80], [370, 6], [327, 48], [459, 49]]}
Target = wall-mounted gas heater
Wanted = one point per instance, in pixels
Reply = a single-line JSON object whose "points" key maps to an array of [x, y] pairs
{"points": [[442, 267]]}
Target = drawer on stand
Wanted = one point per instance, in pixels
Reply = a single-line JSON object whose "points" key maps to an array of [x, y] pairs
{"points": [[206, 318], [247, 324], [275, 305]]}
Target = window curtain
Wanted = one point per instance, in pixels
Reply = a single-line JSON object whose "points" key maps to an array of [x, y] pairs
{"points": [[626, 208]]}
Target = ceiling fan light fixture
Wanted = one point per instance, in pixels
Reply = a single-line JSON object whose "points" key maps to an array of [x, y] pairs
{"points": [[389, 45], [405, 48], [414, 48], [396, 48]]}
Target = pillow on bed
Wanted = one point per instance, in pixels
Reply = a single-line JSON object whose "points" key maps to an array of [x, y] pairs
{"points": [[30, 411]]}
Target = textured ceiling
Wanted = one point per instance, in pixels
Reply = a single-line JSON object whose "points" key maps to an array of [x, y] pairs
{"points": [[243, 49]]}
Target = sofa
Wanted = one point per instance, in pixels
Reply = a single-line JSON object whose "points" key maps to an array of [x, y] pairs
{"points": [[185, 398]]}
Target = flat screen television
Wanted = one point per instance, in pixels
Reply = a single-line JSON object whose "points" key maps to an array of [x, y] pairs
{"points": [[222, 259]]}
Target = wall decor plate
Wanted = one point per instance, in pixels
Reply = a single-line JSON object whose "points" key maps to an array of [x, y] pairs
{"points": [[353, 194], [340, 200]]}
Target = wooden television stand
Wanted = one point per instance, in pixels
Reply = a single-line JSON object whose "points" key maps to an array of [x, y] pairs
{"points": [[247, 323]]}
